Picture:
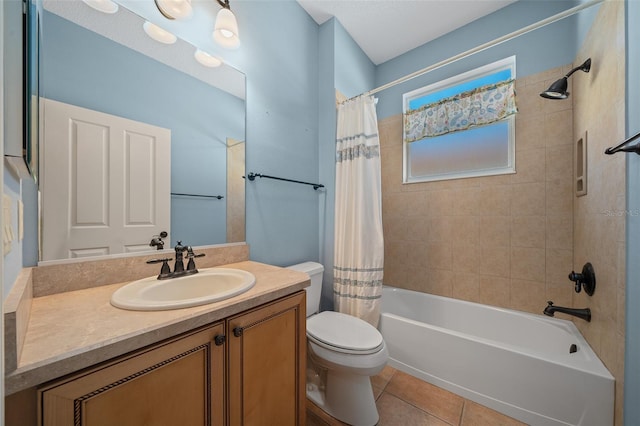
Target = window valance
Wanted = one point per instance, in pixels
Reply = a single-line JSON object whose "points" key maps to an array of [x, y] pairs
{"points": [[477, 107]]}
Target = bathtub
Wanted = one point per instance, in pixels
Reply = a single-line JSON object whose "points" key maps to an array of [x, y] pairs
{"points": [[513, 362]]}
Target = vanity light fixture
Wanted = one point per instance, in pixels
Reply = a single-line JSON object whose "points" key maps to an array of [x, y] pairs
{"points": [[225, 32], [558, 90], [104, 6], [174, 9], [207, 60], [158, 34]]}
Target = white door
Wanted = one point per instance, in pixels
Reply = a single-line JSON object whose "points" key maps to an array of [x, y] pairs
{"points": [[106, 182]]}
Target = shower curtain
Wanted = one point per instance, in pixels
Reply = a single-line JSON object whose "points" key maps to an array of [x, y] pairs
{"points": [[359, 246]]}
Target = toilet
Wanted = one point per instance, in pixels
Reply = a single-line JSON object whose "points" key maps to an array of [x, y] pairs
{"points": [[343, 353]]}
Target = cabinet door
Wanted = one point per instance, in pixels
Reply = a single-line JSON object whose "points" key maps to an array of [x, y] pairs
{"points": [[179, 382], [267, 361]]}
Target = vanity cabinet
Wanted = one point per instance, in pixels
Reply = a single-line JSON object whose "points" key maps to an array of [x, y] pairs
{"points": [[180, 382], [245, 370], [267, 363]]}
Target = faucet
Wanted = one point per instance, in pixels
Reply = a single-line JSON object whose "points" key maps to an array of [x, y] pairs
{"points": [[178, 268], [585, 313], [191, 266]]}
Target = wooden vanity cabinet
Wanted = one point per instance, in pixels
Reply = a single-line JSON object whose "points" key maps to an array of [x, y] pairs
{"points": [[179, 382], [246, 370], [267, 364]]}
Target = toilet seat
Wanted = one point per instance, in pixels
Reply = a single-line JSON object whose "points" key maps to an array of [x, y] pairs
{"points": [[343, 333]]}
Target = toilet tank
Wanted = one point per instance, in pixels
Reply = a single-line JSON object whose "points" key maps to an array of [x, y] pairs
{"points": [[314, 291]]}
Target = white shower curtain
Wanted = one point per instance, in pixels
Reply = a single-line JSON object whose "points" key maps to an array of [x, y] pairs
{"points": [[359, 246]]}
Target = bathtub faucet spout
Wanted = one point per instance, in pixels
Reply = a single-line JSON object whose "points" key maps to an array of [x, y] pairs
{"points": [[585, 313]]}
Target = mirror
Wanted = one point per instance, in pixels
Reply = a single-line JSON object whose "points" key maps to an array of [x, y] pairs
{"points": [[105, 64]]}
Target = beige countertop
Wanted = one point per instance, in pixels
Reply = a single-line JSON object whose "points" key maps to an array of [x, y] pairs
{"points": [[70, 331]]}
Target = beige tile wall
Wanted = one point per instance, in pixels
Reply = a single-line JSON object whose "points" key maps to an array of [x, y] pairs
{"points": [[235, 191], [599, 216], [511, 240], [501, 240]]}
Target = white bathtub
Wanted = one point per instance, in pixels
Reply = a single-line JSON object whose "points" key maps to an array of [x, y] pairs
{"points": [[514, 362]]}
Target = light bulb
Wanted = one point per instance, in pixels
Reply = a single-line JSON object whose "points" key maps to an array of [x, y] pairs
{"points": [[174, 9], [158, 34], [105, 6], [207, 60], [225, 32]]}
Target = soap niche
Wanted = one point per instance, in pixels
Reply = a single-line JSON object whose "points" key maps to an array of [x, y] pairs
{"points": [[580, 166]]}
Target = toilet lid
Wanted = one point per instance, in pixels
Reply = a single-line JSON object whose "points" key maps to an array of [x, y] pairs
{"points": [[344, 333]]}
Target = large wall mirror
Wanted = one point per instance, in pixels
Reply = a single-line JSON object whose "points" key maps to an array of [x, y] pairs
{"points": [[136, 137]]}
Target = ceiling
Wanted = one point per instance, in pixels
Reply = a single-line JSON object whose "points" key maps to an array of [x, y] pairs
{"points": [[385, 29]]}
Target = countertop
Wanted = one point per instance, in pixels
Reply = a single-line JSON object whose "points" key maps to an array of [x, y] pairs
{"points": [[70, 331]]}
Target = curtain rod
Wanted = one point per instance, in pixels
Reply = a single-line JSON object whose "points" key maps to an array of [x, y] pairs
{"points": [[485, 46]]}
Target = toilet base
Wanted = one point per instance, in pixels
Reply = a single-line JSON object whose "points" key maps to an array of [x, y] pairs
{"points": [[347, 397]]}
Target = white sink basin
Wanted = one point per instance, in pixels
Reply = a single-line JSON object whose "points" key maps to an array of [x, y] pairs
{"points": [[207, 286]]}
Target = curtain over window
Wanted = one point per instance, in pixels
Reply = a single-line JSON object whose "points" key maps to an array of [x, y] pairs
{"points": [[484, 105]]}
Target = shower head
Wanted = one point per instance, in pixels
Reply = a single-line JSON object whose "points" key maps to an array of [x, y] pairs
{"points": [[558, 90]]}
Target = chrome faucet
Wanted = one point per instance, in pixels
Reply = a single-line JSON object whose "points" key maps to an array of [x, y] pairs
{"points": [[178, 268], [585, 313]]}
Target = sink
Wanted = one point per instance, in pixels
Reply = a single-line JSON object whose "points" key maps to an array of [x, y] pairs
{"points": [[207, 286]]}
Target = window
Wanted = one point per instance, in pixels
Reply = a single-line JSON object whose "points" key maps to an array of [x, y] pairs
{"points": [[458, 146]]}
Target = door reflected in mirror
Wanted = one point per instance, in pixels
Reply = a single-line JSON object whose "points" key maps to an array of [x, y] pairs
{"points": [[116, 182]]}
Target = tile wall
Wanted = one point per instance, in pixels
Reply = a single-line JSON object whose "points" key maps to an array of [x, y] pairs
{"points": [[500, 240], [511, 240], [235, 191], [599, 216]]}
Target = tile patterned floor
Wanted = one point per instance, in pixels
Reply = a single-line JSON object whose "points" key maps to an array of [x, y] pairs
{"points": [[403, 400]]}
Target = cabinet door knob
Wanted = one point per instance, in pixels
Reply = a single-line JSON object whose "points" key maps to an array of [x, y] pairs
{"points": [[219, 339], [238, 331]]}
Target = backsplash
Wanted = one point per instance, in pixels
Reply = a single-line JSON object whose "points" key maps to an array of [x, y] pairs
{"points": [[69, 276]]}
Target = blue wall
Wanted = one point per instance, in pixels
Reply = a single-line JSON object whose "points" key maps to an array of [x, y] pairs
{"points": [[279, 55], [85, 69], [533, 52], [354, 71]]}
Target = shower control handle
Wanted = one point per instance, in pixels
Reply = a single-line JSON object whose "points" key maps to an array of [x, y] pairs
{"points": [[586, 279], [577, 279]]}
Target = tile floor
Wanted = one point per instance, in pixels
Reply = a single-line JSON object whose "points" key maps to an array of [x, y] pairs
{"points": [[403, 400]]}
